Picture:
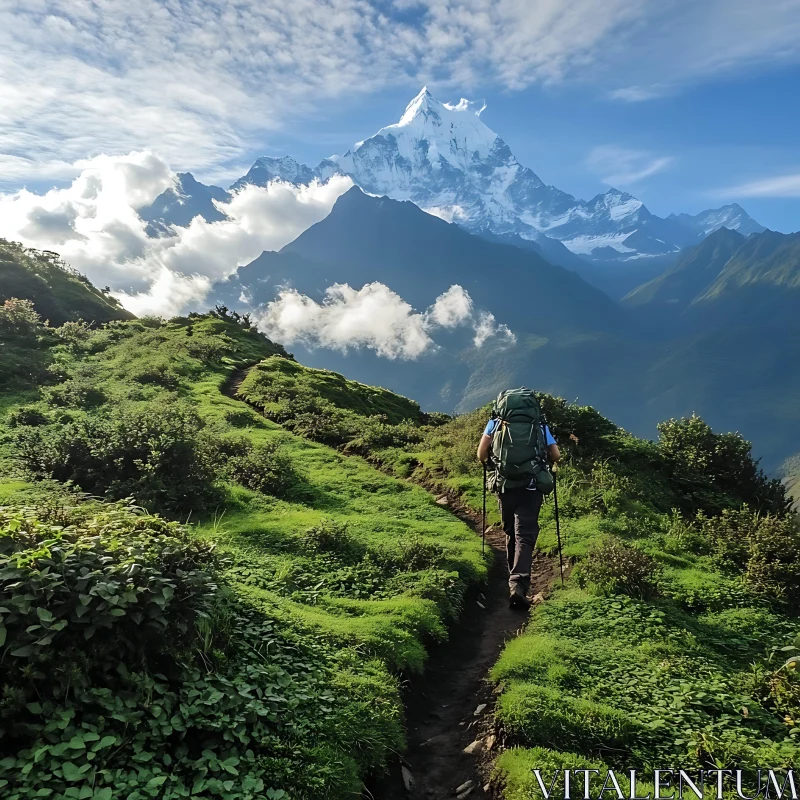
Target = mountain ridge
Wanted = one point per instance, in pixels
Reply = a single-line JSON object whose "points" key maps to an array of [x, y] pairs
{"points": [[442, 157]]}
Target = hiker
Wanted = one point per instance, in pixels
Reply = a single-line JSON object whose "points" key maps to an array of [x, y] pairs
{"points": [[518, 449]]}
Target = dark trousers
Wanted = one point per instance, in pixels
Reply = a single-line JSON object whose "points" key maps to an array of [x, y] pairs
{"points": [[519, 510]]}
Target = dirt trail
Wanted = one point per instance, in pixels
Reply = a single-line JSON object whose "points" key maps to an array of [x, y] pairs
{"points": [[441, 704]]}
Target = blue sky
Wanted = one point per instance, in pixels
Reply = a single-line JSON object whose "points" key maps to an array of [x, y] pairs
{"points": [[687, 105]]}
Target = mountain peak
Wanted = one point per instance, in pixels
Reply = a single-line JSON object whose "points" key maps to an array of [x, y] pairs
{"points": [[423, 103]]}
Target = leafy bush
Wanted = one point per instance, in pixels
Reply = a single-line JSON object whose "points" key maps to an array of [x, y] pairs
{"points": [[82, 590], [615, 567], [765, 549], [332, 537], [127, 674], [158, 453], [19, 318], [717, 470], [265, 468]]}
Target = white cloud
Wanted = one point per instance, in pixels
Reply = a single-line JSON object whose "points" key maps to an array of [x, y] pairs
{"points": [[452, 308], [486, 327], [205, 83], [373, 317], [776, 186], [619, 166], [94, 226], [637, 94]]}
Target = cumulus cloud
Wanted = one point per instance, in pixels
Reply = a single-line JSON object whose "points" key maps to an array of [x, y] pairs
{"points": [[94, 225], [373, 317], [620, 166]]}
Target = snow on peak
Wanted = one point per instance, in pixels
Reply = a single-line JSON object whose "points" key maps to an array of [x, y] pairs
{"points": [[452, 132], [423, 103]]}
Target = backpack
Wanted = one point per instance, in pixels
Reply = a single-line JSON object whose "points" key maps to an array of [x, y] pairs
{"points": [[519, 449]]}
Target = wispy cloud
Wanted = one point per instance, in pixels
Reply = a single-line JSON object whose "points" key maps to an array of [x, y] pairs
{"points": [[637, 94], [775, 186], [619, 166], [202, 83]]}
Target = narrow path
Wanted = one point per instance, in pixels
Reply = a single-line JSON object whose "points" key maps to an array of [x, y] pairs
{"points": [[441, 704]]}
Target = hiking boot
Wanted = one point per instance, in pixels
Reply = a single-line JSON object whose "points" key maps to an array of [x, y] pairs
{"points": [[518, 599]]}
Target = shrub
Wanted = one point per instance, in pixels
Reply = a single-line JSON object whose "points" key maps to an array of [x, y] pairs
{"points": [[717, 470], [265, 468], [19, 318], [765, 549], [157, 453], [615, 567], [175, 691], [83, 590], [28, 415], [332, 537]]}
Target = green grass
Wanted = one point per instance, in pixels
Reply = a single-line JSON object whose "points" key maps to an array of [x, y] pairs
{"points": [[276, 381], [611, 681], [59, 293], [351, 560]]}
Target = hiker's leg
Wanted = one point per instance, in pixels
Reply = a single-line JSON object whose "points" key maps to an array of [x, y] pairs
{"points": [[526, 532], [506, 504]]}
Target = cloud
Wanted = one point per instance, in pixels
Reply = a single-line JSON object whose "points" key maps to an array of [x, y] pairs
{"points": [[619, 166], [777, 186], [206, 84], [93, 224], [373, 317], [452, 308], [637, 94]]}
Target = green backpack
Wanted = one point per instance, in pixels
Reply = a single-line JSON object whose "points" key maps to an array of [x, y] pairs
{"points": [[519, 450]]}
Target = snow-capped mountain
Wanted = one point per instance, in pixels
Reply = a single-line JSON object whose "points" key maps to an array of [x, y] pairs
{"points": [[445, 159], [733, 217], [442, 157], [268, 169]]}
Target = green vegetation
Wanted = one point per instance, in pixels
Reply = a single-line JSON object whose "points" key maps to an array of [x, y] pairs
{"points": [[661, 649], [209, 598], [58, 293], [255, 653]]}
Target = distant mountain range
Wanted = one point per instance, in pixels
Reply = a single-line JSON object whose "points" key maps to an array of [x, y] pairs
{"points": [[443, 158], [708, 322]]}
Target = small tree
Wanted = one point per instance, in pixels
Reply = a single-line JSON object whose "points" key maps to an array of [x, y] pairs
{"points": [[19, 318], [717, 470]]}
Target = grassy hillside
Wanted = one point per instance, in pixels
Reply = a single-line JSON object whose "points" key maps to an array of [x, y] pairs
{"points": [[58, 293], [663, 646], [282, 617], [696, 268], [210, 598]]}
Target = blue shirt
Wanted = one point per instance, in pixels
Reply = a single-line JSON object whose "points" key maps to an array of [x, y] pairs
{"points": [[492, 424]]}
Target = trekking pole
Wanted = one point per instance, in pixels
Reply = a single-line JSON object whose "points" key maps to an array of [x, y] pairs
{"points": [[483, 523], [558, 525]]}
